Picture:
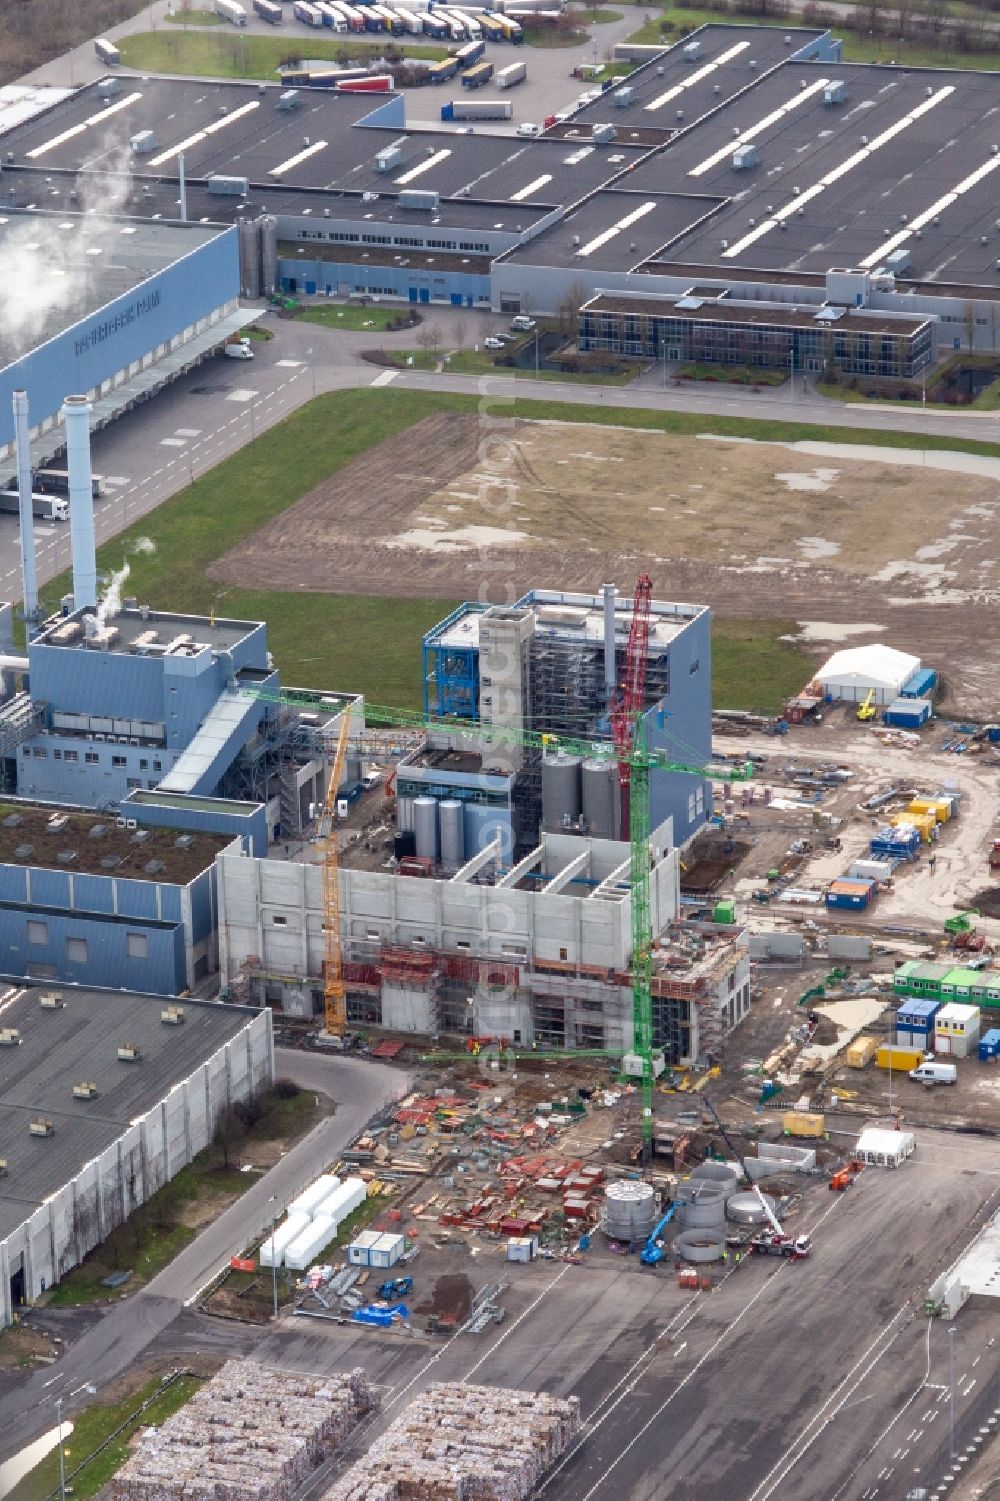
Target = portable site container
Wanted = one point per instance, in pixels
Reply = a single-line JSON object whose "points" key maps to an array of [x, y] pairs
{"points": [[853, 894], [803, 1123], [310, 1199], [989, 1045], [899, 842], [386, 1251], [525, 1247], [907, 713], [938, 808], [914, 978], [861, 1052], [915, 1023], [359, 1252], [303, 1250], [899, 1059], [958, 984], [272, 1254], [870, 870], [956, 1029], [924, 824], [920, 685]]}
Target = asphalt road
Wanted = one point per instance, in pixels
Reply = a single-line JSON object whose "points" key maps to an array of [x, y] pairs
{"points": [[108, 1346], [154, 451]]}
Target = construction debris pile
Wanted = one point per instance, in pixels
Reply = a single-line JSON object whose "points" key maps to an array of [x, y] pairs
{"points": [[464, 1443], [250, 1431]]}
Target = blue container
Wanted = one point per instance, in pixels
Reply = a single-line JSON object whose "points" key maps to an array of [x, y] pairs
{"points": [[989, 1045], [922, 683], [907, 713], [915, 1023]]}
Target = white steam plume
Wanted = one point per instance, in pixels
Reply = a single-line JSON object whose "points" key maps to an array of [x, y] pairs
{"points": [[111, 604]]}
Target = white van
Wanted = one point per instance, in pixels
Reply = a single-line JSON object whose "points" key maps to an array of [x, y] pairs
{"points": [[935, 1073]]}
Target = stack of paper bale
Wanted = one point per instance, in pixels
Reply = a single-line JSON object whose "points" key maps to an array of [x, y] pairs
{"points": [[249, 1434], [464, 1443]]}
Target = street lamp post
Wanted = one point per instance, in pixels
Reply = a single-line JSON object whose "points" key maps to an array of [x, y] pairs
{"points": [[62, 1455], [951, 1388], [274, 1261]]}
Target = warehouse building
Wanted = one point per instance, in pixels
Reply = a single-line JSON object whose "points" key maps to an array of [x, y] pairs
{"points": [[537, 952], [779, 204], [104, 1096]]}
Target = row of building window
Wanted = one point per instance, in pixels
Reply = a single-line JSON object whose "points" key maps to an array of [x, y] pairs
{"points": [[411, 242], [136, 944], [91, 758]]}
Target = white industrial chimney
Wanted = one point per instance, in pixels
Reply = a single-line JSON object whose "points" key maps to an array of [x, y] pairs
{"points": [[76, 417], [29, 577]]}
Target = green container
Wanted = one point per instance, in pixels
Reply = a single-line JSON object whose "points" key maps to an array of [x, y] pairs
{"points": [[725, 912]]}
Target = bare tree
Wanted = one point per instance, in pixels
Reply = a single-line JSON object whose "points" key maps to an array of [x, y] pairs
{"points": [[969, 320], [460, 335], [230, 1133], [429, 339]]}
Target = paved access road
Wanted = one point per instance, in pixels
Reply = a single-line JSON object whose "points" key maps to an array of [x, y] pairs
{"points": [[119, 1337]]}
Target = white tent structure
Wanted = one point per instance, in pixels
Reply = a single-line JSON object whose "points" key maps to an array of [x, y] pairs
{"points": [[852, 674]]}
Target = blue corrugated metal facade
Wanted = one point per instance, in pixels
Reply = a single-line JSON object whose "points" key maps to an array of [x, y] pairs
{"points": [[681, 726], [244, 821], [107, 931], [124, 331]]}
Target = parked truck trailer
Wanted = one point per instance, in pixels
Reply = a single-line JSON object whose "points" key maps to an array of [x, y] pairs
{"points": [[477, 109]]}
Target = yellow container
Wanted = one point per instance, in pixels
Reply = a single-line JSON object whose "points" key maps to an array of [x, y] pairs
{"points": [[938, 807], [803, 1123], [891, 1055], [861, 1052], [924, 823]]}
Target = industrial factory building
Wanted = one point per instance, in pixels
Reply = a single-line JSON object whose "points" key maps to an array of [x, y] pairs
{"points": [[745, 195], [104, 1096], [538, 952]]}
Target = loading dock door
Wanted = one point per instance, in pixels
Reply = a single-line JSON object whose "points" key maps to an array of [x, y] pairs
{"points": [[425, 294], [413, 294]]}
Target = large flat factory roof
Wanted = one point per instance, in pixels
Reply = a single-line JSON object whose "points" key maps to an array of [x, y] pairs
{"points": [[579, 617], [63, 1047], [149, 633], [89, 844], [905, 160], [616, 229], [96, 260]]}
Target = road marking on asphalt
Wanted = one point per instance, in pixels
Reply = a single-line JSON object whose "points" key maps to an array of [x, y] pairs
{"points": [[242, 393], [188, 432], [173, 442], [385, 379], [287, 364]]}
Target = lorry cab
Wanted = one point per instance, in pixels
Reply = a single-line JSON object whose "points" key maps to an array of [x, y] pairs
{"points": [[935, 1073]]}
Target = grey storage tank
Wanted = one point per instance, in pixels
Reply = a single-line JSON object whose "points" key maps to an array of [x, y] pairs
{"points": [[452, 816], [560, 790], [629, 1211], [425, 827], [598, 790], [404, 815], [268, 253]]}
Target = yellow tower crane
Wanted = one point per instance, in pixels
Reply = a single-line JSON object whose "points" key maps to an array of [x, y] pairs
{"points": [[334, 994]]}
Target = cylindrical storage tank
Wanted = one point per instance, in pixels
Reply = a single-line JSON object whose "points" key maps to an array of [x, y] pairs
{"points": [[703, 1206], [745, 1209], [630, 1211], [599, 782], [404, 815], [560, 791], [425, 827], [699, 1245], [451, 814], [716, 1172], [249, 245], [268, 253], [404, 845]]}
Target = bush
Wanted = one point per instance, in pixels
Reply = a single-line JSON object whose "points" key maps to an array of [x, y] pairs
{"points": [[286, 1089]]}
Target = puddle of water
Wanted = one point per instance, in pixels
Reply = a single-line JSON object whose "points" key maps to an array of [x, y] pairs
{"points": [[27, 1458], [828, 630], [816, 479]]}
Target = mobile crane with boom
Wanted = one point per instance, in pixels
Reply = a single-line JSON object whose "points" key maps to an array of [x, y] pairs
{"points": [[776, 1241]]}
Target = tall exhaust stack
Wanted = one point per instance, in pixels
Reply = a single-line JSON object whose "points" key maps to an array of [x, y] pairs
{"points": [[29, 576], [610, 670], [76, 417]]}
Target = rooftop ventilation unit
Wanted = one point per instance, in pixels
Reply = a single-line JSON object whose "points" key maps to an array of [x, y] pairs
{"points": [[51, 1001], [10, 1037], [97, 831], [110, 862], [184, 841], [288, 100], [389, 158], [898, 262], [107, 87], [602, 135], [419, 198], [141, 835], [227, 187], [12, 821], [3, 1167], [57, 822], [153, 867], [41, 1127], [692, 52], [623, 97], [142, 143], [172, 1016], [835, 91], [85, 1091], [66, 857], [744, 157], [24, 852], [129, 1052]]}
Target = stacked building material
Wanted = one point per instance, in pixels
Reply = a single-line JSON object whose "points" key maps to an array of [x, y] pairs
{"points": [[464, 1443], [249, 1432]]}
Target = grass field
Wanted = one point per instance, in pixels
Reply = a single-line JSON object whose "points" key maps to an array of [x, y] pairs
{"points": [[350, 315], [235, 55], [365, 643], [92, 1428], [857, 49], [481, 362], [193, 18]]}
